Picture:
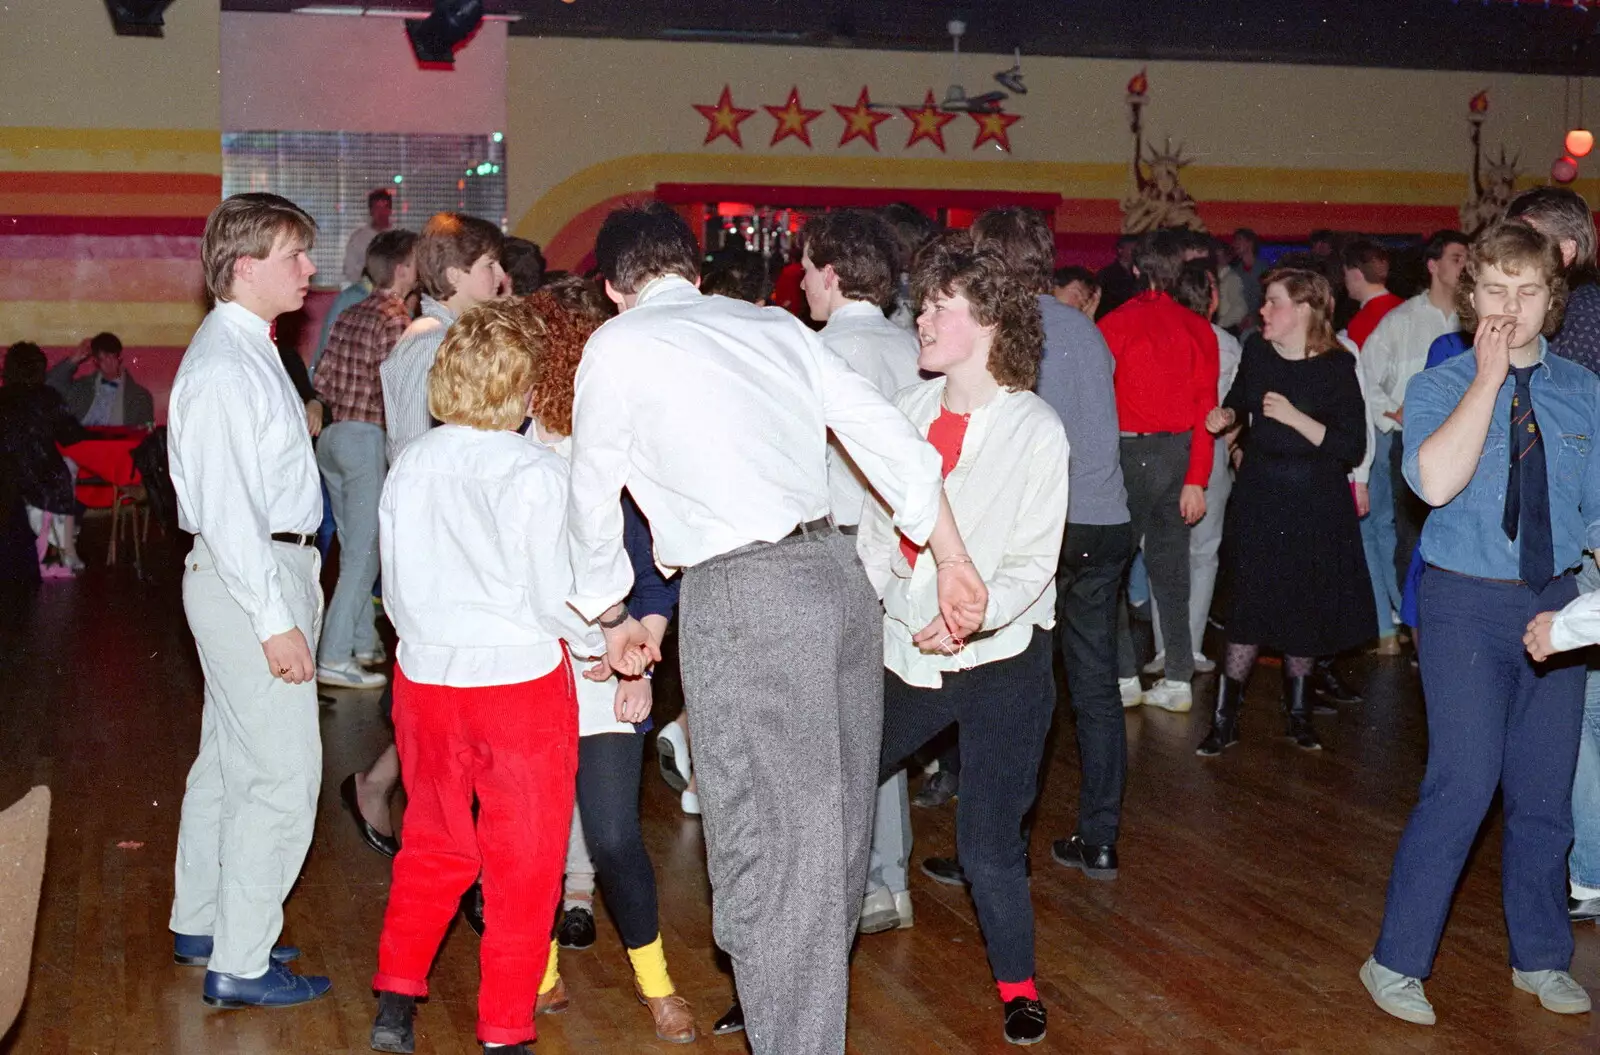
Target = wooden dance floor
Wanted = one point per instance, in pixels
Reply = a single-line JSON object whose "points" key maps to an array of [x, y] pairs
{"points": [[1251, 887]]}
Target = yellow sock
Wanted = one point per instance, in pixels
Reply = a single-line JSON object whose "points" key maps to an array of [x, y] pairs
{"points": [[552, 971], [650, 970]]}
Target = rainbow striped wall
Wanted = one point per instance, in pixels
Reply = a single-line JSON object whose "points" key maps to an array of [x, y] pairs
{"points": [[100, 230]]}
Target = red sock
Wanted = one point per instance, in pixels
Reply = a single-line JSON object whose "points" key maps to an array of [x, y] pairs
{"points": [[1009, 991]]}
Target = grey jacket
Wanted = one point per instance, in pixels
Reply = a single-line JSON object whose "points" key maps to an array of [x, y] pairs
{"points": [[138, 408]]}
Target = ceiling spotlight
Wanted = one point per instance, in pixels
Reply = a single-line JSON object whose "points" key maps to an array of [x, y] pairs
{"points": [[137, 18], [1011, 80], [434, 39]]}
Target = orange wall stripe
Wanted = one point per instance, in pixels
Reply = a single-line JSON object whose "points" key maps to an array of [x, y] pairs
{"points": [[171, 280], [107, 204]]}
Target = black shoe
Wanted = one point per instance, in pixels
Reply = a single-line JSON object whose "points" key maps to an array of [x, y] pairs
{"points": [[472, 908], [1025, 1021], [509, 1049], [732, 1022], [387, 845], [1583, 911], [1224, 719], [937, 790], [1097, 862], [391, 1030], [576, 929], [946, 870], [1326, 683], [1297, 707]]}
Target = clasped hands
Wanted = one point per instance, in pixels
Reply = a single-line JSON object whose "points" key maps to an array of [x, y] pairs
{"points": [[963, 601]]}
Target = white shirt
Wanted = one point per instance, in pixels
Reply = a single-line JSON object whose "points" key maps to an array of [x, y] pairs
{"points": [[714, 414], [241, 458], [1008, 491], [355, 252], [404, 376], [1362, 473], [1578, 624], [107, 406], [1397, 351], [472, 535], [884, 354]]}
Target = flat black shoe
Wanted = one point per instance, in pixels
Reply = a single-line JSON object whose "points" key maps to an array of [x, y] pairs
{"points": [[1096, 862], [387, 845], [576, 929], [732, 1022], [946, 870], [1583, 911], [509, 1049], [937, 790], [391, 1030], [472, 908], [1326, 683], [1025, 1021]]}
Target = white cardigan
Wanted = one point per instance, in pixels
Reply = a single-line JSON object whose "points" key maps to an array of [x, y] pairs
{"points": [[1009, 495]]}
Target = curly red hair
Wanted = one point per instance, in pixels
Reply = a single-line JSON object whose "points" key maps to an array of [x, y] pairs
{"points": [[570, 315]]}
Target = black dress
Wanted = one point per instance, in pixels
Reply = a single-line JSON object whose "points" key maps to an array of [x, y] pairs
{"points": [[1293, 541], [33, 420]]}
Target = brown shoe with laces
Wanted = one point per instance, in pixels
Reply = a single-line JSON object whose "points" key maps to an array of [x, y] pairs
{"points": [[555, 1001], [673, 1017]]}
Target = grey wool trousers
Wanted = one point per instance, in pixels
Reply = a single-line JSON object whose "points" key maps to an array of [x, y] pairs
{"points": [[781, 647]]}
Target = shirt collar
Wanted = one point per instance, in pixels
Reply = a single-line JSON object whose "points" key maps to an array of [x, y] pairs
{"points": [[433, 309], [855, 309], [244, 318], [665, 284]]}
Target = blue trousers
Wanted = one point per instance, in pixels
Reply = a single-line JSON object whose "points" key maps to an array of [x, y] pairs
{"points": [[1494, 720]]}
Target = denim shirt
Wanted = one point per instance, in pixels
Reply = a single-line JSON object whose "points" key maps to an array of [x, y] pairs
{"points": [[1465, 535]]}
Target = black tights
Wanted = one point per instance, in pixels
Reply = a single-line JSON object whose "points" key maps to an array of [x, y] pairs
{"points": [[608, 798], [1238, 660]]}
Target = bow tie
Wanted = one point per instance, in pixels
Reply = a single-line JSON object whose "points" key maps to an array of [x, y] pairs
{"points": [[112, 384]]}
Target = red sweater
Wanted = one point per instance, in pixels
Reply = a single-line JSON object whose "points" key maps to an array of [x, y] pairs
{"points": [[1166, 376], [1371, 313]]}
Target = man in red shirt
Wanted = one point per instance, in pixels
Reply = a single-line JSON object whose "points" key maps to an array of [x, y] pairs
{"points": [[1366, 272], [1166, 383]]}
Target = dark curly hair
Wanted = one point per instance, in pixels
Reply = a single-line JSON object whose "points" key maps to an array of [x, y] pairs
{"points": [[1512, 246], [952, 265], [571, 313]]}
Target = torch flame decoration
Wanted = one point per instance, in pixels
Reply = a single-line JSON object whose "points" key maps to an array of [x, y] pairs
{"points": [[1479, 104], [1139, 85]]}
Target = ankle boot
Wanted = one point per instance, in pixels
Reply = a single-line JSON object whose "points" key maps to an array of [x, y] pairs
{"points": [[1225, 719], [1297, 706]]}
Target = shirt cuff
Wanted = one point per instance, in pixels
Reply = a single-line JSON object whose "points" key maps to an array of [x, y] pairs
{"points": [[593, 606], [1563, 638], [271, 621]]}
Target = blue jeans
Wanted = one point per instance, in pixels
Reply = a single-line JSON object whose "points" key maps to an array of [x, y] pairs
{"points": [[1377, 535], [1583, 864], [1494, 720], [351, 457]]}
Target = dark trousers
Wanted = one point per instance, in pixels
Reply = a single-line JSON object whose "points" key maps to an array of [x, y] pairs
{"points": [[1094, 558], [1494, 719], [1003, 710], [1410, 513], [608, 800], [1153, 468]]}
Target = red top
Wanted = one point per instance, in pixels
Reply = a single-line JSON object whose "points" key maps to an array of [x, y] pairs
{"points": [[946, 434], [1166, 376], [1371, 313]]}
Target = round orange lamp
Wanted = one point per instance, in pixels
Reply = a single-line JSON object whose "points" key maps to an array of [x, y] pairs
{"points": [[1565, 170], [1579, 142]]}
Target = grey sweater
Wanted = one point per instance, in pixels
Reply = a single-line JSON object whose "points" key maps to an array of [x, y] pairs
{"points": [[1075, 379]]}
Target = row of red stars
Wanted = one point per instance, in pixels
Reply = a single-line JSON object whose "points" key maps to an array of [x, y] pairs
{"points": [[861, 121]]}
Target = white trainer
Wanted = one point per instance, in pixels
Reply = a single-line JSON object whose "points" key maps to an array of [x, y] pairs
{"points": [[349, 676], [672, 751], [1398, 994], [1131, 690], [1203, 664], [1174, 696], [884, 910], [689, 802], [1557, 990]]}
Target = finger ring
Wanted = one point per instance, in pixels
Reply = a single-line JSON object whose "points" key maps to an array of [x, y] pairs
{"points": [[283, 670]]}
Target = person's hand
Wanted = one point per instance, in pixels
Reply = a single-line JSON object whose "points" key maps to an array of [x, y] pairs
{"points": [[963, 598], [289, 657], [633, 700], [1278, 408], [601, 671], [1220, 420], [935, 639], [630, 649], [1537, 638], [1363, 500], [1397, 415], [314, 417], [82, 352], [1192, 504], [1492, 348]]}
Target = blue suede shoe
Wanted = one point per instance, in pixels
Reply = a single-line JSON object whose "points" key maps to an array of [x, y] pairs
{"points": [[279, 987], [194, 950]]}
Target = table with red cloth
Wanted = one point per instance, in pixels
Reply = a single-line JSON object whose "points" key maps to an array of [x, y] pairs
{"points": [[105, 458]]}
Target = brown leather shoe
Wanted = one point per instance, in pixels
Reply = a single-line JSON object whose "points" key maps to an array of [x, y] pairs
{"points": [[555, 1001], [673, 1017]]}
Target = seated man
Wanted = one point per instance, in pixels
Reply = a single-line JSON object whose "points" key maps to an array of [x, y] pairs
{"points": [[109, 396]]}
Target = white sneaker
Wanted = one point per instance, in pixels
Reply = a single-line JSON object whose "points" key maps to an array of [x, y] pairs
{"points": [[1132, 691], [1157, 665], [690, 803], [349, 676], [1174, 696], [672, 750], [375, 658], [1398, 994], [1556, 990], [883, 910], [1203, 665]]}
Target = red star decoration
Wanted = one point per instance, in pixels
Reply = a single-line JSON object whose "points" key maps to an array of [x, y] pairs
{"points": [[927, 123], [861, 121], [996, 127], [793, 119], [724, 118]]}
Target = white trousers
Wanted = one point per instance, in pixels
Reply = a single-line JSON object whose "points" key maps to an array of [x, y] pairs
{"points": [[580, 867], [1205, 548], [251, 799]]}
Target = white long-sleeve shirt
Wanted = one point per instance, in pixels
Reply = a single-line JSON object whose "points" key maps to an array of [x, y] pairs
{"points": [[1578, 624], [241, 458], [714, 414], [404, 376], [884, 354], [1362, 473], [472, 535], [1397, 351], [1008, 492]]}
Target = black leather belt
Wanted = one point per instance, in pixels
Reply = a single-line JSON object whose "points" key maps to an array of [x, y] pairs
{"points": [[294, 539], [1505, 582], [819, 526], [849, 529]]}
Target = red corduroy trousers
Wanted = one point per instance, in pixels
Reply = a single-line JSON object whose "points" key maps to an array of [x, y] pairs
{"points": [[516, 748]]}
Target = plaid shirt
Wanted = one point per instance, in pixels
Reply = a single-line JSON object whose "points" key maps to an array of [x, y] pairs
{"points": [[361, 339]]}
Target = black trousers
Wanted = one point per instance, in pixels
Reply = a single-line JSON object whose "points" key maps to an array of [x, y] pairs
{"points": [[1410, 513], [1094, 559], [608, 799]]}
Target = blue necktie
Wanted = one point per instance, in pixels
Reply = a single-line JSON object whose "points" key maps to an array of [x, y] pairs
{"points": [[1527, 509]]}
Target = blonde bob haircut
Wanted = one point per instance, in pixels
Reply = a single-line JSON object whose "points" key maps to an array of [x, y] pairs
{"points": [[487, 366], [249, 225]]}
